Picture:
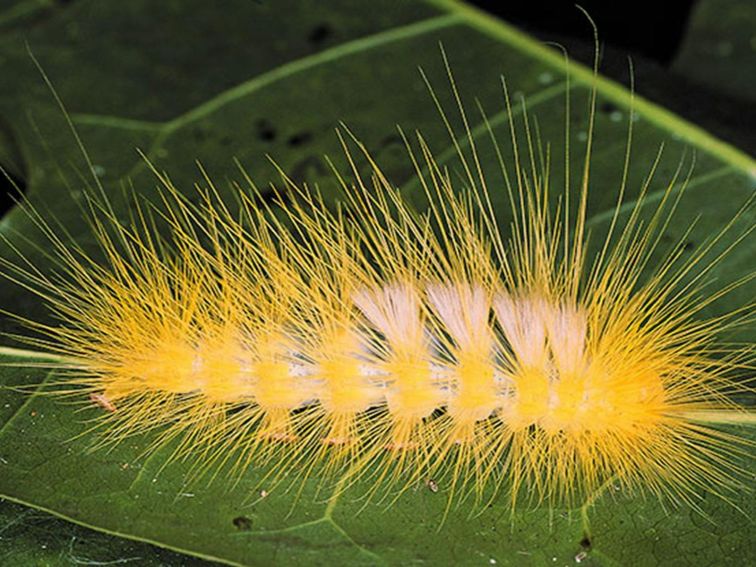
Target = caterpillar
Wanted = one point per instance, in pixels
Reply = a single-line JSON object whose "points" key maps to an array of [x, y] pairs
{"points": [[372, 341]]}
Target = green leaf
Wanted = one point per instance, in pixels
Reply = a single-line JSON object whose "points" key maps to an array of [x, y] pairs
{"points": [[268, 84], [34, 538]]}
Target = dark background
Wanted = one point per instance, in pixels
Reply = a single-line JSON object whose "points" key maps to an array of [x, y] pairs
{"points": [[651, 33]]}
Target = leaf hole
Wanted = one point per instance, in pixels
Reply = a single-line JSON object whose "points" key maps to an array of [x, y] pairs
{"points": [[320, 33], [299, 139], [265, 131], [392, 140], [273, 196], [307, 169], [585, 543], [242, 523]]}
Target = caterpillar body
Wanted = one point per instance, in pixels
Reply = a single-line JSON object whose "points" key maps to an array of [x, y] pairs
{"points": [[372, 341]]}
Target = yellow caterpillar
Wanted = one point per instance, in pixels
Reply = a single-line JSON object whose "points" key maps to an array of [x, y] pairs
{"points": [[371, 341]]}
